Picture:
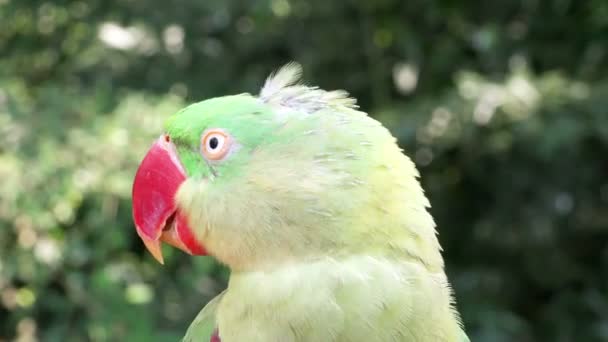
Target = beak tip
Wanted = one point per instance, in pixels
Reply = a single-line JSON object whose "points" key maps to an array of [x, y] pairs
{"points": [[159, 259], [154, 248]]}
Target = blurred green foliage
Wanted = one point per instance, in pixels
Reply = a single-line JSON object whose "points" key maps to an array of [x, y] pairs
{"points": [[503, 105]]}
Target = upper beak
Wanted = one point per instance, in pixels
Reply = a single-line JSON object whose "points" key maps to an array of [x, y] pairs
{"points": [[155, 212]]}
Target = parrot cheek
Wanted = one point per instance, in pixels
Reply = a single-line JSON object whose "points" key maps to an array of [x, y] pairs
{"points": [[155, 213]]}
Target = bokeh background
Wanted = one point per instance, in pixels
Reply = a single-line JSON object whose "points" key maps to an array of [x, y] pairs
{"points": [[502, 104]]}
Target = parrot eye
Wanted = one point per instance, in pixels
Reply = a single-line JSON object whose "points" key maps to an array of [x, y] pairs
{"points": [[215, 144]]}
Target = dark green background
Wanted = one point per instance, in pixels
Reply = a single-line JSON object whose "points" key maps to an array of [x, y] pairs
{"points": [[502, 104]]}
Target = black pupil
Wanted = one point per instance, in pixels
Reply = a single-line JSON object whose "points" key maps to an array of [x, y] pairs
{"points": [[213, 142]]}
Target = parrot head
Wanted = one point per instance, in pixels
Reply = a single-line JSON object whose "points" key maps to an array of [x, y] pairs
{"points": [[294, 173]]}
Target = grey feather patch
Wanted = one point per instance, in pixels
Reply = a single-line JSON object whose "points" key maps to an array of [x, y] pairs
{"points": [[286, 76], [283, 89]]}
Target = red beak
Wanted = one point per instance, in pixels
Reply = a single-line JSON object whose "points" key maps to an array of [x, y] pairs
{"points": [[155, 212]]}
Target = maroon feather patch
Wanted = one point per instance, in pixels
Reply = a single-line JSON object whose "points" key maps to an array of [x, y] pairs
{"points": [[215, 337]]}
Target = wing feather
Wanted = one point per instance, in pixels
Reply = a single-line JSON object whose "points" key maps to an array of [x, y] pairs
{"points": [[204, 327]]}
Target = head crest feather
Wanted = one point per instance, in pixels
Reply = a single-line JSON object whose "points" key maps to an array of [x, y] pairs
{"points": [[283, 88]]}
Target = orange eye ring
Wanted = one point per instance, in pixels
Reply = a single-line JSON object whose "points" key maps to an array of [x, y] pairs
{"points": [[215, 144]]}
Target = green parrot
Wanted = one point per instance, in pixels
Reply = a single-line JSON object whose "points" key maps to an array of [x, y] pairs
{"points": [[313, 207]]}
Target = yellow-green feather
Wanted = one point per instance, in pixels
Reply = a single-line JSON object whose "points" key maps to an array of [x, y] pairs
{"points": [[321, 219]]}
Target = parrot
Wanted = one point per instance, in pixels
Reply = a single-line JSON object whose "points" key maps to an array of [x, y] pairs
{"points": [[314, 208]]}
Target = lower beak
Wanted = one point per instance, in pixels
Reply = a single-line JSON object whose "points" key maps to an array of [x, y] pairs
{"points": [[170, 236]]}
